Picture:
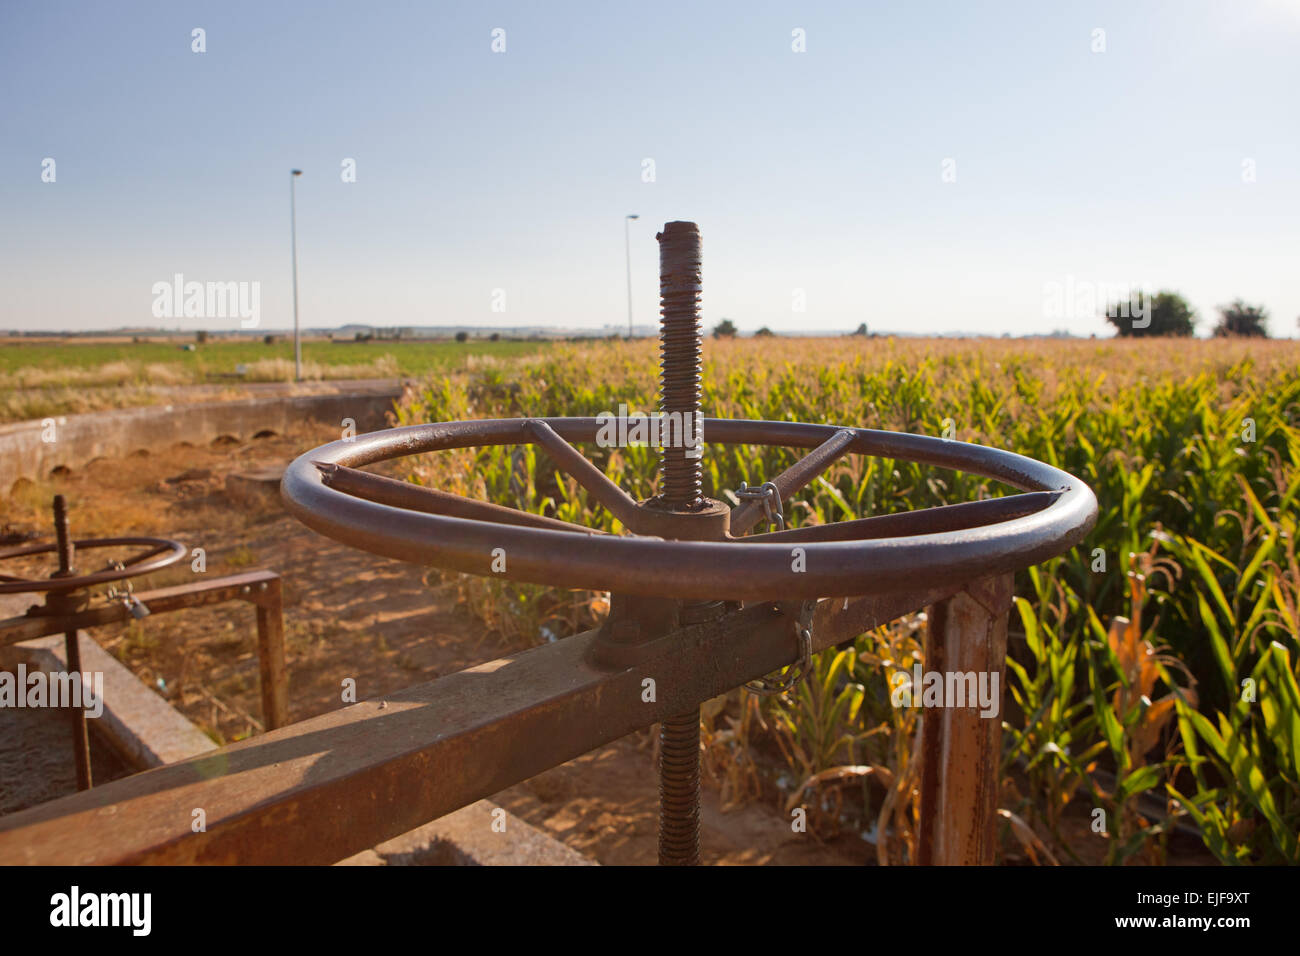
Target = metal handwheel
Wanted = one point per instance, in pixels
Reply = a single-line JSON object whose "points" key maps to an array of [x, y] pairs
{"points": [[155, 554], [687, 559], [64, 592], [664, 554]]}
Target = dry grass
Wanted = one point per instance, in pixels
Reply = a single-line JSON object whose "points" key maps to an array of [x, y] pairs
{"points": [[282, 370]]}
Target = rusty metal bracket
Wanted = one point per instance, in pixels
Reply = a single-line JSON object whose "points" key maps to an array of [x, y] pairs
{"points": [[262, 589], [322, 789]]}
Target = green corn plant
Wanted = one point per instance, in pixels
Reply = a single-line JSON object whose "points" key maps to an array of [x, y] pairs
{"points": [[1124, 667], [1248, 810], [816, 725], [1055, 739]]}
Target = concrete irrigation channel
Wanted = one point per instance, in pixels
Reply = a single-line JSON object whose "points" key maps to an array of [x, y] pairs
{"points": [[33, 449]]}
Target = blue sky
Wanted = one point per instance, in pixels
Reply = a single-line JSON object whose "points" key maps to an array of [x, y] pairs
{"points": [[820, 171]]}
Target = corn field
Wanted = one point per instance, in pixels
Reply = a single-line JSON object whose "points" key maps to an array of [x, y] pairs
{"points": [[1151, 672]]}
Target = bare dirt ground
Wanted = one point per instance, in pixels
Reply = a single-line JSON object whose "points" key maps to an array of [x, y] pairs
{"points": [[349, 614]]}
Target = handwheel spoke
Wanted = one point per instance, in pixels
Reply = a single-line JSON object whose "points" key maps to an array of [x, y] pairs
{"points": [[962, 517], [747, 514], [402, 494], [619, 503]]}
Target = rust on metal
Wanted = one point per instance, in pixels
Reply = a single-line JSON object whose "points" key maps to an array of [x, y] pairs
{"points": [[319, 790], [961, 747], [259, 588], [76, 714], [707, 570], [794, 478], [155, 554], [403, 494], [680, 352]]}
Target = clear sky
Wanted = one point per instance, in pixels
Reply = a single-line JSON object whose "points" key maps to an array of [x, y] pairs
{"points": [[821, 171]]}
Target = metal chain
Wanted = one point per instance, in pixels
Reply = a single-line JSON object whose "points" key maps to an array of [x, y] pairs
{"points": [[770, 495], [790, 677], [113, 593], [126, 594]]}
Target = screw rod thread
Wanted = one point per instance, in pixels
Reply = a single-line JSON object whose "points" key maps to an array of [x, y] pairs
{"points": [[680, 364], [679, 790], [62, 535]]}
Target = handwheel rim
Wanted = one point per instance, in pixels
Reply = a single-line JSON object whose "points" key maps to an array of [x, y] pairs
{"points": [[169, 552], [694, 570]]}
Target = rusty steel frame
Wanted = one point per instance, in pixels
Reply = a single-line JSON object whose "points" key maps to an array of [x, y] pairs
{"points": [[262, 589], [320, 790]]}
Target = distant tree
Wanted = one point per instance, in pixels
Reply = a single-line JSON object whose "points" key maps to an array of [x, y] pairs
{"points": [[763, 333], [270, 339], [494, 337], [1167, 313], [1249, 321], [462, 336], [861, 329], [724, 329], [200, 336]]}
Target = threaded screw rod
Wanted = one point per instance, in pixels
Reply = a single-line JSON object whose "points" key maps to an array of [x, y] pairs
{"points": [[679, 790], [76, 715], [62, 536], [681, 489], [680, 349]]}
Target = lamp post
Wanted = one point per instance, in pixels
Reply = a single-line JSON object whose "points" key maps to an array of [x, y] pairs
{"points": [[293, 242], [627, 247]]}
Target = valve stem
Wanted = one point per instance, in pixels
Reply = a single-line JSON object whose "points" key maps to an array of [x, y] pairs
{"points": [[681, 489], [680, 349]]}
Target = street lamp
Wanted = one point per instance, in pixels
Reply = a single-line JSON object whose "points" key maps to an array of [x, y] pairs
{"points": [[293, 240], [627, 247]]}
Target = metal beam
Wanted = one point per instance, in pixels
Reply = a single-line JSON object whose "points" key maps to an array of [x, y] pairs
{"points": [[320, 790], [961, 748], [260, 588], [252, 586]]}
